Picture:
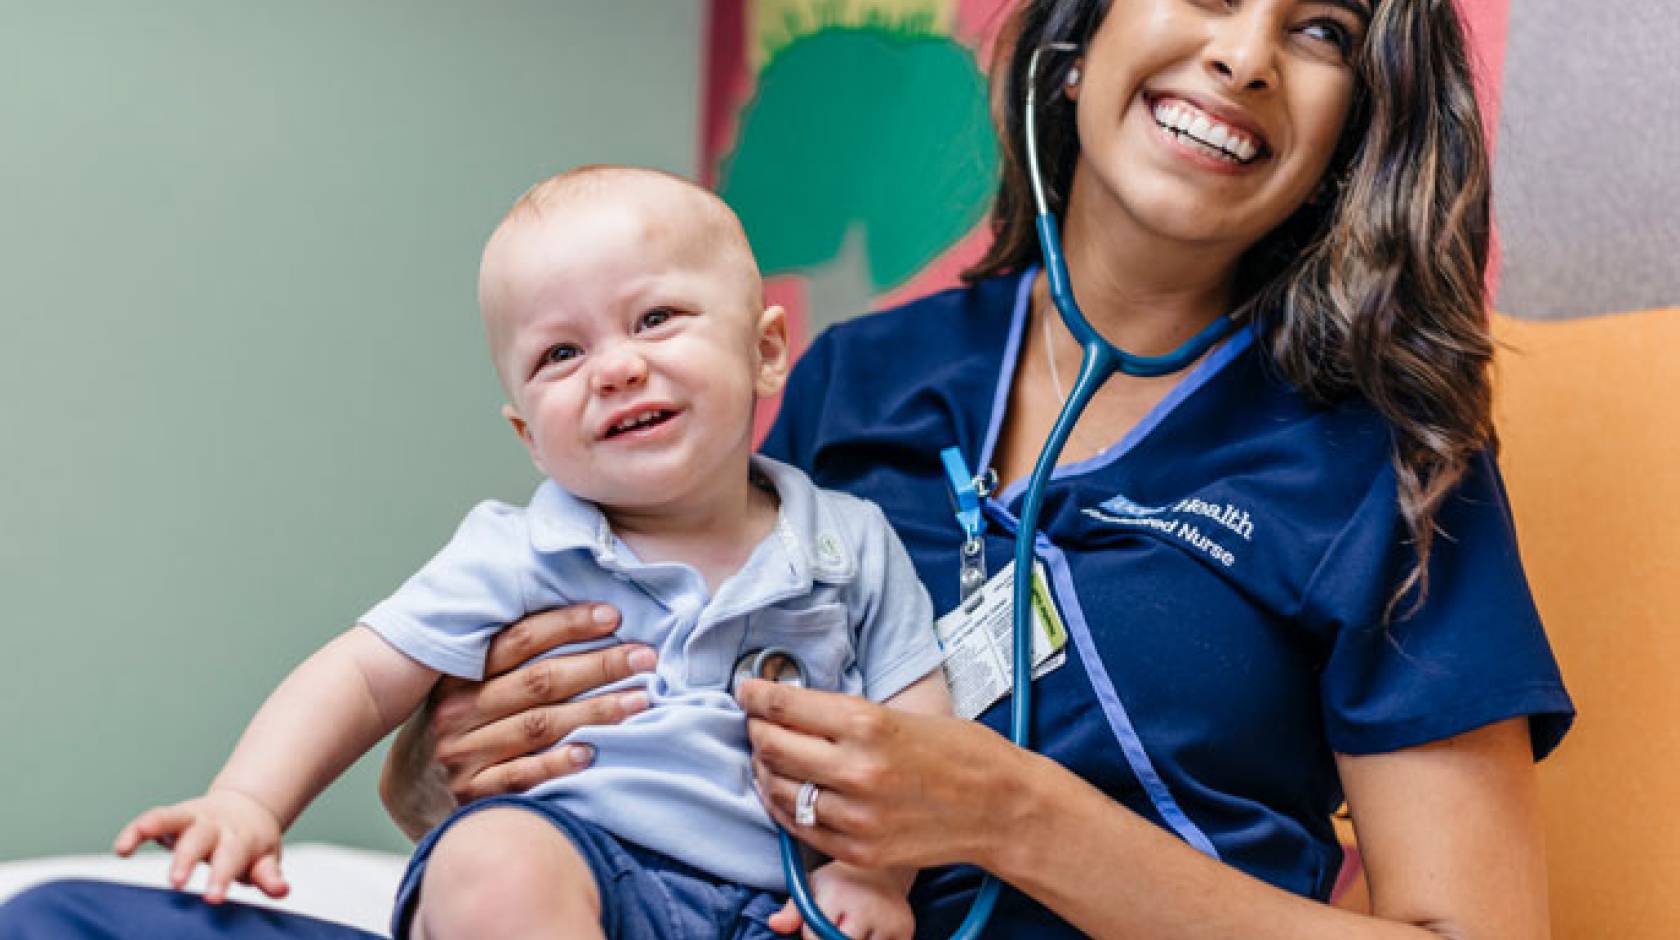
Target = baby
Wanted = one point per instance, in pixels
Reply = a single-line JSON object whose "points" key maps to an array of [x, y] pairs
{"points": [[626, 321]]}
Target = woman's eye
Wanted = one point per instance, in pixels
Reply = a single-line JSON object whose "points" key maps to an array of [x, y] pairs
{"points": [[1331, 33], [561, 352], [655, 317]]}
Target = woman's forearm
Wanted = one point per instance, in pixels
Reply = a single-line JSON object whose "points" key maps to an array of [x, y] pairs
{"points": [[1114, 875], [412, 785]]}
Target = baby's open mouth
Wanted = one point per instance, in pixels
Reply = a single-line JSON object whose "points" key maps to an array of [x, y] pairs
{"points": [[641, 419]]}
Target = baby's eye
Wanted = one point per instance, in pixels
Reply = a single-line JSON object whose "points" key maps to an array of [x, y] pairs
{"points": [[561, 352], [658, 316]]}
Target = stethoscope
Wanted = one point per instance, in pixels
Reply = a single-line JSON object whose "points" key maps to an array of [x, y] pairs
{"points": [[1100, 360]]}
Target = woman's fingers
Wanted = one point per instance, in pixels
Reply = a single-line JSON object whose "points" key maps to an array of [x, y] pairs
{"points": [[836, 842], [541, 632], [835, 811], [556, 680], [523, 773], [823, 714], [797, 755], [468, 758]]}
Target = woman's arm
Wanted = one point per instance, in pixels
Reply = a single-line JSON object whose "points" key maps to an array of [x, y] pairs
{"points": [[1449, 830], [475, 739]]}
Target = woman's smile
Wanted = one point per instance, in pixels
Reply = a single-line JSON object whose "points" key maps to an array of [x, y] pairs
{"points": [[1206, 122], [1199, 126]]}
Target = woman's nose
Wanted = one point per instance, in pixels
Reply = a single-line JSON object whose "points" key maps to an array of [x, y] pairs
{"points": [[1242, 49], [618, 367]]}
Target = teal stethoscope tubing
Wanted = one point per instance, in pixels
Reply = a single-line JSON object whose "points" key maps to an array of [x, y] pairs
{"points": [[1100, 360]]}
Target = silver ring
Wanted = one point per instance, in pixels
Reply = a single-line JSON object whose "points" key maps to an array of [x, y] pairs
{"points": [[805, 805]]}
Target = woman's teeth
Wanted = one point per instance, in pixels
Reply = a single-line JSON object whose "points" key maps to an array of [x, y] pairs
{"points": [[1197, 127]]}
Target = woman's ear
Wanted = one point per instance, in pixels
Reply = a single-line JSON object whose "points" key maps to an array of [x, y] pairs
{"points": [[1075, 74], [774, 356]]}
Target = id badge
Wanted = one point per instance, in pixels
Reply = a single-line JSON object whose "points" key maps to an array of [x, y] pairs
{"points": [[979, 641]]}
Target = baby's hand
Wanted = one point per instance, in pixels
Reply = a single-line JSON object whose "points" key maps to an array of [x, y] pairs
{"points": [[237, 835], [862, 902]]}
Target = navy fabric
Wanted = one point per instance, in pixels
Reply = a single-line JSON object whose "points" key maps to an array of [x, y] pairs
{"points": [[1223, 571], [644, 895], [95, 910], [1227, 566]]}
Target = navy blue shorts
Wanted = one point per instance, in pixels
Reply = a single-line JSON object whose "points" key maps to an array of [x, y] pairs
{"points": [[644, 895]]}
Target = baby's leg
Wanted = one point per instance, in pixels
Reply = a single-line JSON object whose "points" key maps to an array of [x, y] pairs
{"points": [[505, 872]]}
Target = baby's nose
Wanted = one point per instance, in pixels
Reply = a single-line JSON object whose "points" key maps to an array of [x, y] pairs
{"points": [[619, 366]]}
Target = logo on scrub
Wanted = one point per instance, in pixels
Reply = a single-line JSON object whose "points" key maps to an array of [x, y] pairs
{"points": [[1121, 506], [1185, 520]]}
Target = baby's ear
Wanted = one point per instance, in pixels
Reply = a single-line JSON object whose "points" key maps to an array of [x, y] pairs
{"points": [[520, 428], [774, 356]]}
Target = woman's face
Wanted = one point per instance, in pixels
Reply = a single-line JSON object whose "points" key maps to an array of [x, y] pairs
{"points": [[1212, 121]]}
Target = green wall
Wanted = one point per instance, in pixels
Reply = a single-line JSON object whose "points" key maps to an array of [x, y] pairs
{"points": [[243, 391]]}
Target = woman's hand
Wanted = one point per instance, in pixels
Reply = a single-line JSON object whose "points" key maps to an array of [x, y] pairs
{"points": [[477, 739], [897, 789]]}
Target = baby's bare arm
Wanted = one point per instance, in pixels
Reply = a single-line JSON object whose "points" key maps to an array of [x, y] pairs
{"points": [[325, 714], [328, 712]]}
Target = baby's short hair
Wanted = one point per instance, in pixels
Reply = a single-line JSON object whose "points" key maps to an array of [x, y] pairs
{"points": [[717, 232], [597, 179]]}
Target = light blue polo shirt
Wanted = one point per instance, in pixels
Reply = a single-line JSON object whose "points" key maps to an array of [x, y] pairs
{"points": [[831, 582]]}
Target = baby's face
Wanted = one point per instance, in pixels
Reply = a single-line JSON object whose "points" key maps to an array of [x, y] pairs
{"points": [[630, 347]]}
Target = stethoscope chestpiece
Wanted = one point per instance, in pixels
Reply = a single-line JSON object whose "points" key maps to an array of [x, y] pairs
{"points": [[772, 663]]}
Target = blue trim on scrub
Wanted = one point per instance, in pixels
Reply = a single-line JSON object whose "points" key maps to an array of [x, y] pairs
{"points": [[1136, 757], [1006, 371], [1067, 598]]}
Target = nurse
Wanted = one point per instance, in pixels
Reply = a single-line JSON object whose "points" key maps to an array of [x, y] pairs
{"points": [[1287, 577]]}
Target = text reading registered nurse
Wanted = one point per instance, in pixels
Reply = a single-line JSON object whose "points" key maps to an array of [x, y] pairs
{"points": [[1287, 575]]}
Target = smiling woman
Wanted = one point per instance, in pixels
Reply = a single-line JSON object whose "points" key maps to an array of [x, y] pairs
{"points": [[1316, 169], [1279, 630]]}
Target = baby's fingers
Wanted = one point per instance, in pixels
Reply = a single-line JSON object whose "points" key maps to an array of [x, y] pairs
{"points": [[838, 920], [159, 824], [192, 847], [786, 920], [229, 861], [265, 874]]}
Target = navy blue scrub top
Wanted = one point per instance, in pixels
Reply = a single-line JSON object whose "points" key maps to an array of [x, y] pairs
{"points": [[1223, 572]]}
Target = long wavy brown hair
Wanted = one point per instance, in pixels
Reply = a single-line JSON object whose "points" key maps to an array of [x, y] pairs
{"points": [[1372, 289]]}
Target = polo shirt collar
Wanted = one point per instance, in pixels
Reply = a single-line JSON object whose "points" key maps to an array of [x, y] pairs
{"points": [[561, 522], [815, 541], [811, 535]]}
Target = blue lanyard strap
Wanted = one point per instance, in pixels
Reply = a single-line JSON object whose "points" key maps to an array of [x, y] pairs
{"points": [[965, 489]]}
